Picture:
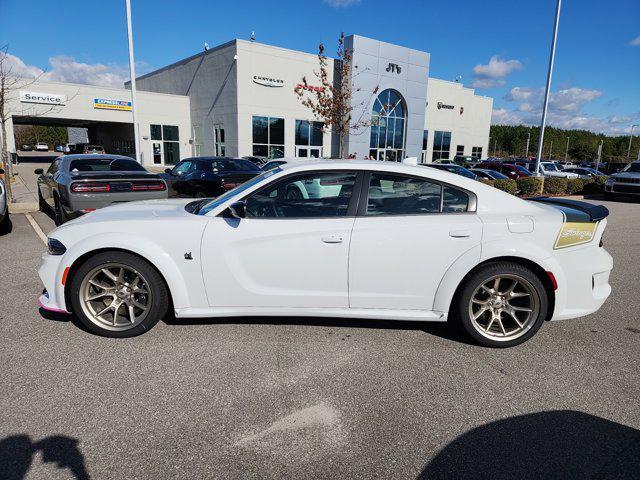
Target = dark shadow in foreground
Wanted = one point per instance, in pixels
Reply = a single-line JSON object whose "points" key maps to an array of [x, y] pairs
{"points": [[17, 452], [438, 329], [557, 444]]}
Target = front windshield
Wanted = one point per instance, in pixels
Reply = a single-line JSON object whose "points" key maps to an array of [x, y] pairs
{"points": [[551, 167], [236, 191], [522, 170], [633, 167]]}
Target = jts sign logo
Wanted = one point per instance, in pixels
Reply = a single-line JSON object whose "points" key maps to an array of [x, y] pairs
{"points": [[394, 68], [46, 98]]}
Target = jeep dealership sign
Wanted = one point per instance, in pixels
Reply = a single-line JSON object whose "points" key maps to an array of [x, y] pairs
{"points": [[46, 98]]}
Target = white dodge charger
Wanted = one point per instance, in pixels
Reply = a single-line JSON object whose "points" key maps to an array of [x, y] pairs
{"points": [[358, 239]]}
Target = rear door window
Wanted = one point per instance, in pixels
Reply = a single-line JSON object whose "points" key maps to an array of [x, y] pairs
{"points": [[391, 194]]}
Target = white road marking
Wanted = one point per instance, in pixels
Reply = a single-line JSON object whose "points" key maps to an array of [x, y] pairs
{"points": [[36, 227]]}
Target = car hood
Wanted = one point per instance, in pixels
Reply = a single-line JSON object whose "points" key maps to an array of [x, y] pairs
{"points": [[626, 175], [136, 211]]}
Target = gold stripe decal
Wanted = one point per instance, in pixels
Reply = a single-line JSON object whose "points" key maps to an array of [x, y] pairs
{"points": [[575, 233]]}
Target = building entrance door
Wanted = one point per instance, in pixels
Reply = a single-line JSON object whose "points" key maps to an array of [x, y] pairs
{"points": [[388, 154]]}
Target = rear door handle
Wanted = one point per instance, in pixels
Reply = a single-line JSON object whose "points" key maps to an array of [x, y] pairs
{"points": [[460, 233], [332, 239]]}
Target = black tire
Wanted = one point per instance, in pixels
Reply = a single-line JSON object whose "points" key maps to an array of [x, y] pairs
{"points": [[159, 294], [461, 307], [199, 193], [42, 205], [59, 216]]}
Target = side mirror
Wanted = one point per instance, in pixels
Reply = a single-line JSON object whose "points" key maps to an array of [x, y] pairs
{"points": [[167, 170], [38, 171], [238, 209]]}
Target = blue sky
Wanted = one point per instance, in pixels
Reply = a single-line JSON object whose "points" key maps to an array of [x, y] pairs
{"points": [[499, 47]]}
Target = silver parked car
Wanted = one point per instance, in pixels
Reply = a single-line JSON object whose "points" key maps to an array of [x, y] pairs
{"points": [[625, 182], [78, 184]]}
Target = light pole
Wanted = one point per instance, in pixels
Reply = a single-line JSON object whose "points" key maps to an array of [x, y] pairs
{"points": [[630, 138], [132, 72], [550, 149], [495, 146], [566, 151], [526, 155], [548, 87]]}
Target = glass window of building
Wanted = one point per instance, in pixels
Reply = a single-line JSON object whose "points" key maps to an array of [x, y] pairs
{"points": [[219, 149], [460, 150], [197, 140], [425, 143], [388, 124], [441, 145], [476, 152], [268, 137], [309, 138], [168, 146]]}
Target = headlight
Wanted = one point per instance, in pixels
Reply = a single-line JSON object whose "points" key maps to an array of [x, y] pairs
{"points": [[55, 247]]}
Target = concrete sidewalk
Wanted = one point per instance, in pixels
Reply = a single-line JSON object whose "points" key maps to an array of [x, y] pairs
{"points": [[25, 187]]}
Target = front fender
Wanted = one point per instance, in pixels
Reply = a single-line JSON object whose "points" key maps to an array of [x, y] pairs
{"points": [[145, 248]]}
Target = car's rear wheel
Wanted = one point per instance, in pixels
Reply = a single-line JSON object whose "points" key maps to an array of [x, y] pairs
{"points": [[117, 294], [60, 216], [200, 193], [42, 205], [501, 305]]}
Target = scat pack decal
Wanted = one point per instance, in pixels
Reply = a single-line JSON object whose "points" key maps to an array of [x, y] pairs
{"points": [[575, 233]]}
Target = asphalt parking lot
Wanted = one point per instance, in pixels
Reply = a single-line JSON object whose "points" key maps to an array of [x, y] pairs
{"points": [[316, 398]]}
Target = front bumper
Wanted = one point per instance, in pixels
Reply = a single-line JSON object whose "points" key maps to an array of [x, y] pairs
{"points": [[50, 271], [623, 188]]}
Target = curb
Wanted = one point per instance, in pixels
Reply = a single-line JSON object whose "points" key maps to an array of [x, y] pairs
{"points": [[23, 207]]}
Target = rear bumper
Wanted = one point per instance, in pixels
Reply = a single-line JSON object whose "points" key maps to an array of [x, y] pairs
{"points": [[80, 203], [585, 286]]}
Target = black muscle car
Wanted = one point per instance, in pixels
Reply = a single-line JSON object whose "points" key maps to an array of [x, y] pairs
{"points": [[203, 177]]}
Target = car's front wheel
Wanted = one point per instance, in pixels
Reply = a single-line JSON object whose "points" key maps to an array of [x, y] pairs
{"points": [[117, 294], [501, 305]]}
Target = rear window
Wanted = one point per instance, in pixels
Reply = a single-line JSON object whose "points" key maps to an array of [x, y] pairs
{"points": [[234, 166], [105, 165]]}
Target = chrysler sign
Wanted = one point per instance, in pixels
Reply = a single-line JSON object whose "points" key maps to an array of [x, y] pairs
{"points": [[268, 81], [46, 98], [444, 105]]}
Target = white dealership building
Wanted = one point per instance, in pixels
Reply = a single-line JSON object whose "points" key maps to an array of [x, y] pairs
{"points": [[238, 99]]}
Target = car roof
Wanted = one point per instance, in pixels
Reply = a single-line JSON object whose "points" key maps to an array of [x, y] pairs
{"points": [[91, 156]]}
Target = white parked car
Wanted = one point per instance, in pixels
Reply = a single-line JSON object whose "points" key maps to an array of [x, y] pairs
{"points": [[551, 169], [377, 240], [41, 147]]}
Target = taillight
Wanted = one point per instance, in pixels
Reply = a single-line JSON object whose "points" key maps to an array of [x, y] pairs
{"points": [[90, 187], [155, 186], [228, 184]]}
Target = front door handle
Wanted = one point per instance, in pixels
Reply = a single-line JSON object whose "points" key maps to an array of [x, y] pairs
{"points": [[332, 239], [459, 233]]}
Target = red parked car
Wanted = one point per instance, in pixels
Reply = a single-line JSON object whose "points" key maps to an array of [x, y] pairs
{"points": [[511, 170]]}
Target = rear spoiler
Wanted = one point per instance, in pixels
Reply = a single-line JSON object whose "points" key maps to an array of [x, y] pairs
{"points": [[575, 210]]}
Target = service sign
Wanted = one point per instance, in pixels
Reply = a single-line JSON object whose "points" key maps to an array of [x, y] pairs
{"points": [[45, 98], [111, 104]]}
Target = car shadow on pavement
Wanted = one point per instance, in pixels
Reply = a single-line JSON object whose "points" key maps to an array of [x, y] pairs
{"points": [[437, 329], [6, 226], [17, 454], [619, 198], [555, 444]]}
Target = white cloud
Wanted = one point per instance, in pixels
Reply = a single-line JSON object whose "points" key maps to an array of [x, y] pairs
{"points": [[66, 69], [635, 42], [493, 73], [565, 110], [342, 3]]}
